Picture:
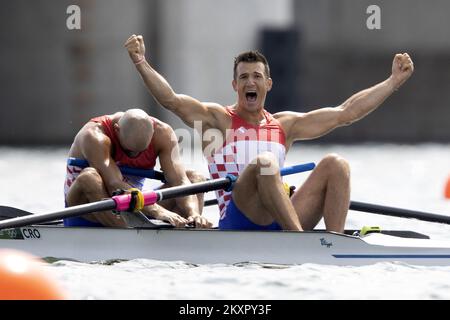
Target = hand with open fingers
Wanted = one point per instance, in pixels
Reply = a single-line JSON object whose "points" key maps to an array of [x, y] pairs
{"points": [[200, 222], [136, 48], [174, 219], [402, 69]]}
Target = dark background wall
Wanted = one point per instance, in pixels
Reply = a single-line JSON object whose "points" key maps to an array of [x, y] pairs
{"points": [[340, 56], [52, 79]]}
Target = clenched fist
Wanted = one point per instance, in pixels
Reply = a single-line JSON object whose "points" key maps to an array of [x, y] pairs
{"points": [[136, 48], [402, 69]]}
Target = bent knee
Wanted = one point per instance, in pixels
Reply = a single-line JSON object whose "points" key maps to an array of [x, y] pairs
{"points": [[89, 176], [88, 181], [335, 163]]}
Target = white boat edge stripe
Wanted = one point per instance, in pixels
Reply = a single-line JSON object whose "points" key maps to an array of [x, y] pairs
{"points": [[391, 256]]}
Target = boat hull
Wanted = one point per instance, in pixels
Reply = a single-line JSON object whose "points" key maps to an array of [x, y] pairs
{"points": [[229, 247]]}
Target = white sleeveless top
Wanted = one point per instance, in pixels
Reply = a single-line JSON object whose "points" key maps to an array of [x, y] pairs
{"points": [[244, 142]]}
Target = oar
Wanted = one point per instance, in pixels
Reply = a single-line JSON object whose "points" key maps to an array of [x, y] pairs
{"points": [[144, 173], [119, 203], [9, 213], [122, 202], [159, 175], [398, 212]]}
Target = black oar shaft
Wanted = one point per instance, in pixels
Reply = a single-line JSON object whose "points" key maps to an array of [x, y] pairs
{"points": [[382, 210], [108, 204], [201, 187], [398, 212]]}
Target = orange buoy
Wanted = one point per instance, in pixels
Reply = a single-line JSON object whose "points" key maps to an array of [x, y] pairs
{"points": [[447, 189], [24, 277]]}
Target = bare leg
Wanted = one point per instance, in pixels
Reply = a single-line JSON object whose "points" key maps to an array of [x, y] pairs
{"points": [[194, 177], [326, 193], [88, 187], [261, 197]]}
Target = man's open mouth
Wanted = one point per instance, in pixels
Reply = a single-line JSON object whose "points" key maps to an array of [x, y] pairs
{"points": [[251, 96]]}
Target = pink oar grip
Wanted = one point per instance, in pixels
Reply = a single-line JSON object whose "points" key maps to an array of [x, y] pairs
{"points": [[123, 201], [150, 197]]}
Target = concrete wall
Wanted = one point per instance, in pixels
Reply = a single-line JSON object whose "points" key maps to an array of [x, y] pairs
{"points": [[341, 56], [54, 79], [404, 24]]}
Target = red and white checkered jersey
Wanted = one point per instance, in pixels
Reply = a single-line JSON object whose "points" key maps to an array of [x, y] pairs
{"points": [[244, 142]]}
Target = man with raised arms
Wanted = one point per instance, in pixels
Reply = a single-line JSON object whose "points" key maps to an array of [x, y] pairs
{"points": [[131, 139], [258, 200]]}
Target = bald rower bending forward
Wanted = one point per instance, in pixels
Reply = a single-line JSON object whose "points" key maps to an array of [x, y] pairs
{"points": [[258, 200], [132, 139]]}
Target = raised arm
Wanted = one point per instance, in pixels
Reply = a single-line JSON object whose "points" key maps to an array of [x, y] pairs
{"points": [[185, 107], [321, 121]]}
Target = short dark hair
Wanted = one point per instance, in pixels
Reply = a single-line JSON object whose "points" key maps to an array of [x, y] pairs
{"points": [[251, 56]]}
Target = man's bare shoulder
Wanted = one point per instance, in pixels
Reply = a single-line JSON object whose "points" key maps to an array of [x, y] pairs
{"points": [[90, 137], [92, 131], [161, 128], [163, 135], [219, 113]]}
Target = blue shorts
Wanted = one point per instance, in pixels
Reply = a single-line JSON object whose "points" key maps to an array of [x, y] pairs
{"points": [[236, 220], [81, 222]]}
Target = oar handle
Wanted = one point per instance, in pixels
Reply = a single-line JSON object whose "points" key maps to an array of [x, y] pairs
{"points": [[222, 183], [159, 175], [123, 201], [297, 169], [144, 173]]}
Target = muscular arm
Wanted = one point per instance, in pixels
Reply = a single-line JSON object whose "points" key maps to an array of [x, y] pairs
{"points": [[96, 149], [185, 107], [321, 121], [175, 172]]}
